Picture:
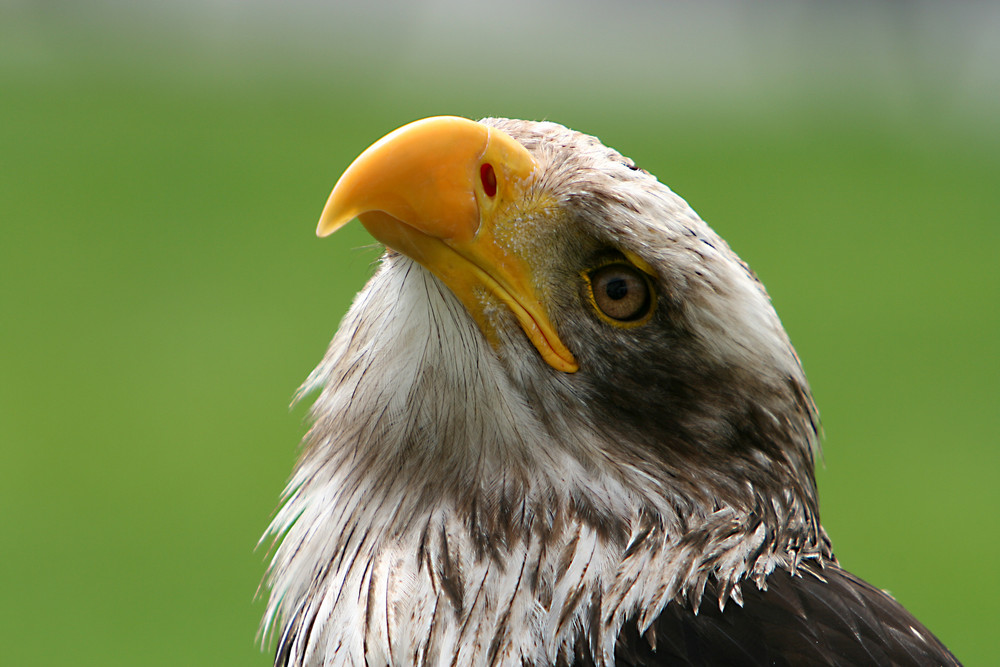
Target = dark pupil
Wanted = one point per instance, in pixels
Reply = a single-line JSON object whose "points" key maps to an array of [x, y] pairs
{"points": [[617, 288]]}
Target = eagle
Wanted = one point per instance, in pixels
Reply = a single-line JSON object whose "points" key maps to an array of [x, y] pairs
{"points": [[561, 425]]}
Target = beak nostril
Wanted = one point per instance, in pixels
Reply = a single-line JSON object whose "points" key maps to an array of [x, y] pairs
{"points": [[489, 179]]}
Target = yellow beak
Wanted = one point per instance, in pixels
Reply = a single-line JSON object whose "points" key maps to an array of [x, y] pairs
{"points": [[438, 190]]}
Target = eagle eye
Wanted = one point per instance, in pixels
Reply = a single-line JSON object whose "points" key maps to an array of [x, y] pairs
{"points": [[620, 293]]}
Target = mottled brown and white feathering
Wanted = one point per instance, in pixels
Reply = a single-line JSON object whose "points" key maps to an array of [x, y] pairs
{"points": [[561, 425]]}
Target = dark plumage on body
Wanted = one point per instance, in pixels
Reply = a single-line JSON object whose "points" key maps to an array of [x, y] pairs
{"points": [[561, 425]]}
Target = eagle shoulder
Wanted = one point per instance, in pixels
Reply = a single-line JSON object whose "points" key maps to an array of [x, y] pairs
{"points": [[818, 616]]}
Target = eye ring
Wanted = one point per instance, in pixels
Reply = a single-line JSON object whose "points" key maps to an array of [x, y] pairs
{"points": [[620, 294]]}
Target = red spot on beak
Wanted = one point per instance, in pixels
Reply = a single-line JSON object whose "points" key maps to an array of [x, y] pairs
{"points": [[489, 179]]}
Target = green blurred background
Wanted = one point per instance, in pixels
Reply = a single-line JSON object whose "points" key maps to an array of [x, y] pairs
{"points": [[162, 294]]}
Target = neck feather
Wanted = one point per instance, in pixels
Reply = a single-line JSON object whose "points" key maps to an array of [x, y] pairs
{"points": [[450, 522]]}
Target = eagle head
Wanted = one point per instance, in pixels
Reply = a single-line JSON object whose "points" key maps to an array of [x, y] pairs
{"points": [[561, 405]]}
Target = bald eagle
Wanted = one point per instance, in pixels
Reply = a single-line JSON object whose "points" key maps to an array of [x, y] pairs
{"points": [[561, 425]]}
